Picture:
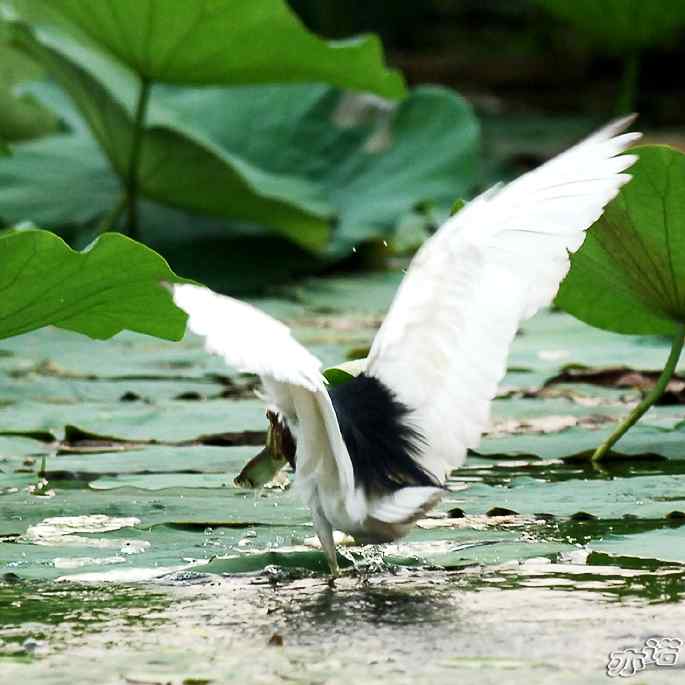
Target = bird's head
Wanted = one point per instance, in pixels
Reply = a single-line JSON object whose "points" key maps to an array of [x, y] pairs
{"points": [[279, 450]]}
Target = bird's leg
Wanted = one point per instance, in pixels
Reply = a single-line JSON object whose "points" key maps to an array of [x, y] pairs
{"points": [[324, 531]]}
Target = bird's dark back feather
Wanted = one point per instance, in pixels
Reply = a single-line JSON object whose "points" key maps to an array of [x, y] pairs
{"points": [[381, 441]]}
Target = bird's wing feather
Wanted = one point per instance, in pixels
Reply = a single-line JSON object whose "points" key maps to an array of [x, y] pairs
{"points": [[248, 339], [251, 341], [444, 343]]}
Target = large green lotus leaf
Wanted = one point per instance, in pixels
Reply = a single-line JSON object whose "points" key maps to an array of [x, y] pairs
{"points": [[21, 117], [629, 275], [374, 162], [220, 41], [371, 170], [53, 98], [622, 24], [73, 168], [67, 167], [193, 244], [112, 286], [178, 164]]}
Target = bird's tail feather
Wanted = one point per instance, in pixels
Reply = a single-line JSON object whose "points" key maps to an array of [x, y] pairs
{"points": [[405, 505]]}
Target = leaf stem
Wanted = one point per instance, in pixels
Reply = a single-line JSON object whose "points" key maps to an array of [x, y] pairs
{"points": [[676, 348], [132, 180]]}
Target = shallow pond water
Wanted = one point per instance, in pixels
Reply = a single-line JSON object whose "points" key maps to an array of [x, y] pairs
{"points": [[524, 624]]}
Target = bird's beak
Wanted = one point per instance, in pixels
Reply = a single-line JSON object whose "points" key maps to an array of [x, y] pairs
{"points": [[263, 467]]}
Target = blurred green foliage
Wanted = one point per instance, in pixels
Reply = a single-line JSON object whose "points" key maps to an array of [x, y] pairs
{"points": [[21, 118], [624, 28], [223, 42], [622, 25], [556, 56], [325, 167]]}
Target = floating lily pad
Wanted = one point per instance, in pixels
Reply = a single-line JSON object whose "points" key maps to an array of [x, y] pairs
{"points": [[71, 167]]}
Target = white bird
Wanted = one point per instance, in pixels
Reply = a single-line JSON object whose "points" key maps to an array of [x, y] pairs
{"points": [[371, 456]]}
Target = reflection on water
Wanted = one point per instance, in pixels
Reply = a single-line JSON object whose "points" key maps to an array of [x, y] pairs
{"points": [[371, 605], [395, 618], [601, 577], [415, 626]]}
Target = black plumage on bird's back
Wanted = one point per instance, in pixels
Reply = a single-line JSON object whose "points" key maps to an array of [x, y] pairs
{"points": [[380, 440]]}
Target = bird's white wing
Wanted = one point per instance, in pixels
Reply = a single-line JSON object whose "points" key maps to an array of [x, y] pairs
{"points": [[248, 339], [251, 341], [444, 344]]}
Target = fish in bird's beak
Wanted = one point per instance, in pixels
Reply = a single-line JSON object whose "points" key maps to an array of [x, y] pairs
{"points": [[278, 451], [261, 469]]}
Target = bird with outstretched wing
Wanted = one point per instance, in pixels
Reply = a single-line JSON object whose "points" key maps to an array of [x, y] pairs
{"points": [[371, 455]]}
